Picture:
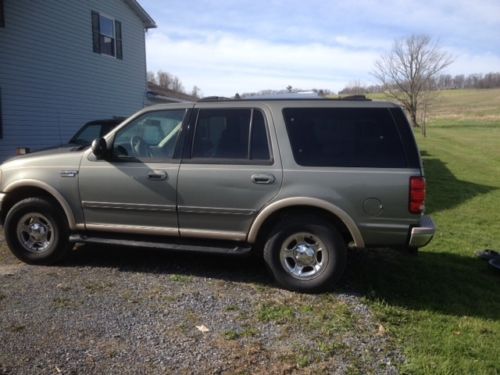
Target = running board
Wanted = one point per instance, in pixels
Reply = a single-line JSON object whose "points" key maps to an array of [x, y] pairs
{"points": [[229, 248]]}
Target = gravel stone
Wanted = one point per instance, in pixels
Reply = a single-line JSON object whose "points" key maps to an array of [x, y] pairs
{"points": [[118, 310]]}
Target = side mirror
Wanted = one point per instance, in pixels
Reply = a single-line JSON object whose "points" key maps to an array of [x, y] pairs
{"points": [[99, 147]]}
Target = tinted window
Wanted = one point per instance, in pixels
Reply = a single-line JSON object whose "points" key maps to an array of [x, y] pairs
{"points": [[260, 146], [230, 134], [344, 137], [409, 144]]}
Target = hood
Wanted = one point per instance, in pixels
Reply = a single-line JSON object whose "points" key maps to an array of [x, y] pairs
{"points": [[68, 156], [54, 150]]}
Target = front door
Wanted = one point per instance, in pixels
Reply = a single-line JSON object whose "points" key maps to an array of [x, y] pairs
{"points": [[134, 189]]}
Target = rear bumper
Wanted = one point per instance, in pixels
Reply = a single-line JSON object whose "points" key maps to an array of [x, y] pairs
{"points": [[422, 234], [2, 196]]}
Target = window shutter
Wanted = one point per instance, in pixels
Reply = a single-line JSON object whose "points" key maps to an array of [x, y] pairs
{"points": [[1, 121], [118, 36], [95, 32], [2, 17]]}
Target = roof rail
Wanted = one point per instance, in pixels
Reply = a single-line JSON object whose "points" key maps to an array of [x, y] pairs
{"points": [[355, 97], [278, 98], [213, 99]]}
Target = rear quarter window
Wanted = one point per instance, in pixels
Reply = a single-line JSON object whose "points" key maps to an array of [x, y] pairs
{"points": [[344, 137]]}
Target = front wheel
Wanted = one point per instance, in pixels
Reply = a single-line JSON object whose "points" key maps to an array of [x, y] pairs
{"points": [[305, 254], [36, 231]]}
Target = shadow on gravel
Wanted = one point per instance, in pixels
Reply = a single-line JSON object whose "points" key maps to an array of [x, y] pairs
{"points": [[442, 282], [127, 259]]}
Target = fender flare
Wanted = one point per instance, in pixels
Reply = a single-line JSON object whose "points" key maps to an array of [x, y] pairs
{"points": [[343, 216], [51, 191]]}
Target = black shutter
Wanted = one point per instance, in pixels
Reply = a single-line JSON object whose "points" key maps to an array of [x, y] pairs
{"points": [[95, 32], [118, 38], [2, 17], [1, 121]]}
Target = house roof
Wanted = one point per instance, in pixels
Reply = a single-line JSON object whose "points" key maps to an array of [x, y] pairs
{"points": [[149, 22], [159, 94]]}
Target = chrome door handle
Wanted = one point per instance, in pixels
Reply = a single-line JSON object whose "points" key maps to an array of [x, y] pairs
{"points": [[263, 178], [157, 175]]}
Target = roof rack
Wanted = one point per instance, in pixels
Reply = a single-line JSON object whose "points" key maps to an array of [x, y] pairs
{"points": [[281, 98], [214, 99], [355, 97]]}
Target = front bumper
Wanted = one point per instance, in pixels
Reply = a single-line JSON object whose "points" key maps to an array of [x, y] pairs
{"points": [[422, 234]]}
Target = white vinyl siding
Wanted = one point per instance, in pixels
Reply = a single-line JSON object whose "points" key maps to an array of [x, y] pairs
{"points": [[53, 82]]}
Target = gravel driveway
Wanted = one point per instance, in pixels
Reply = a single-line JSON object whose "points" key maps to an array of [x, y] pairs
{"points": [[116, 310]]}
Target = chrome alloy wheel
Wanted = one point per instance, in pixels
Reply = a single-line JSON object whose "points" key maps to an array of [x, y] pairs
{"points": [[303, 255], [35, 232]]}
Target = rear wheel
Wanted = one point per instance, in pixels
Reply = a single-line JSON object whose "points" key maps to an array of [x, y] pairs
{"points": [[36, 231], [305, 254]]}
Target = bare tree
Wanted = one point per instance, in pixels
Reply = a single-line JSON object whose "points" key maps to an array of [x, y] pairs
{"points": [[459, 81], [427, 98], [177, 84], [196, 92], [407, 72], [151, 77], [354, 88], [164, 79]]}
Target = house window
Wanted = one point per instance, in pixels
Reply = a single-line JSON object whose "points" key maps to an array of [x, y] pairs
{"points": [[2, 16], [106, 35]]}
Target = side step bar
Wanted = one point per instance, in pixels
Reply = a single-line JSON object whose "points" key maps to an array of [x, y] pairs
{"points": [[229, 248]]}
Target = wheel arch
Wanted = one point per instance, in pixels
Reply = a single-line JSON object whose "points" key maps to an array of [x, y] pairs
{"points": [[19, 190], [271, 213]]}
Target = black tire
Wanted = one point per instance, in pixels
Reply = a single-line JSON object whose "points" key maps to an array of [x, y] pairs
{"points": [[321, 234], [37, 232]]}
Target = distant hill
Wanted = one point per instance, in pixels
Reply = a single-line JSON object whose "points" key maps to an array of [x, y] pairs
{"points": [[473, 107]]}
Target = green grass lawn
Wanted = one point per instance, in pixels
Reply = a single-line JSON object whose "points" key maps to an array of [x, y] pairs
{"points": [[443, 306]]}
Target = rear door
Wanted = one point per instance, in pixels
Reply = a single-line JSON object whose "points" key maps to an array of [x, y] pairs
{"points": [[230, 170]]}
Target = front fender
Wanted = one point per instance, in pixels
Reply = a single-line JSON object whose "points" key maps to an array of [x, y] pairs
{"points": [[51, 191]]}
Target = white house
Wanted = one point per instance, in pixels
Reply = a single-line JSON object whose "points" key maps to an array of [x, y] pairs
{"points": [[63, 63]]}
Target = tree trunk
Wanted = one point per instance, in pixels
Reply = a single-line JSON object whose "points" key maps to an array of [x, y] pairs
{"points": [[413, 116]]}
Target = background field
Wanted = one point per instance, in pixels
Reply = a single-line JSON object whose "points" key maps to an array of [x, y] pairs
{"points": [[444, 305]]}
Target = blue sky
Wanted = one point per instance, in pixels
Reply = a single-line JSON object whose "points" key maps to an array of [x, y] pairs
{"points": [[247, 46]]}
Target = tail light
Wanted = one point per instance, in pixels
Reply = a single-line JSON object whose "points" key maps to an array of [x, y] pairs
{"points": [[417, 194]]}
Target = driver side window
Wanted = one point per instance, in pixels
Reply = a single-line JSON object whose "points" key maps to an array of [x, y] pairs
{"points": [[151, 137]]}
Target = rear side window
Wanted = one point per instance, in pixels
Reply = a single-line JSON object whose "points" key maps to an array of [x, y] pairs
{"points": [[409, 144], [234, 134], [259, 147], [344, 137]]}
